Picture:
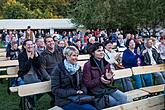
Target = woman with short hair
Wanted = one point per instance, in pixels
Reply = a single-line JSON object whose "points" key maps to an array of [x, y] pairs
{"points": [[66, 81]]}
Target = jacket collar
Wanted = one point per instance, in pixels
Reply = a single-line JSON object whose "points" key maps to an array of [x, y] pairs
{"points": [[93, 64]]}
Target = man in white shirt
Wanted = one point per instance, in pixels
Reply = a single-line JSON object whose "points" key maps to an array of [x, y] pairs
{"points": [[150, 56]]}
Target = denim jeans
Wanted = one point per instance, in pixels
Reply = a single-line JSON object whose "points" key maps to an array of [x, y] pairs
{"points": [[127, 84], [147, 79], [159, 77], [117, 98], [74, 106]]}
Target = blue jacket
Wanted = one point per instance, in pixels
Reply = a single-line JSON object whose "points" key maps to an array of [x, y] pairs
{"points": [[129, 60]]}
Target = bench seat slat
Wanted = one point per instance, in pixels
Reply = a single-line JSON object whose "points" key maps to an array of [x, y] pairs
{"points": [[153, 89], [35, 88]]}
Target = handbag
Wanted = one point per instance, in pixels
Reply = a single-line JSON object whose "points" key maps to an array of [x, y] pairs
{"points": [[81, 99], [118, 66]]}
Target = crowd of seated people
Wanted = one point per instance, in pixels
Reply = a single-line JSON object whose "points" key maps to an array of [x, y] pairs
{"points": [[54, 58]]}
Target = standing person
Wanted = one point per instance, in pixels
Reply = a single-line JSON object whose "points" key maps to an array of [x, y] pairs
{"points": [[97, 76], [29, 34], [150, 56], [50, 57], [130, 59], [66, 81], [28, 68]]}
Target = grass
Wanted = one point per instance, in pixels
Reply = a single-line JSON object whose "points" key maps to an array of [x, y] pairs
{"points": [[11, 102], [1, 44]]}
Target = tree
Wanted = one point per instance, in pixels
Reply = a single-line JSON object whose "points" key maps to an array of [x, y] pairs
{"points": [[16, 11], [118, 13], [54, 7], [34, 8]]}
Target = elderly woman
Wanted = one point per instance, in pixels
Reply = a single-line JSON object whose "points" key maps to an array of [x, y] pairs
{"points": [[98, 76], [129, 60], [66, 81]]}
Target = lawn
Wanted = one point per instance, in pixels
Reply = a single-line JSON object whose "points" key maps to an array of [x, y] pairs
{"points": [[11, 102]]}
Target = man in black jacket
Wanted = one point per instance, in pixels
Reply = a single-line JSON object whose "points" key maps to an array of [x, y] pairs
{"points": [[150, 56], [28, 65]]}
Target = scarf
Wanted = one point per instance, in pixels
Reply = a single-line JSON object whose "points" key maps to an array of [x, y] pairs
{"points": [[71, 68]]}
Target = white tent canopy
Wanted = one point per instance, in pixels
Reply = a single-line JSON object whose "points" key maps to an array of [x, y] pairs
{"points": [[36, 24]]}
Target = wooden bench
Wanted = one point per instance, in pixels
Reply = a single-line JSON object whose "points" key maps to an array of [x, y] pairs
{"points": [[122, 73], [150, 69], [81, 63], [3, 58], [9, 63], [153, 89], [2, 54], [84, 57], [152, 103], [34, 88], [2, 50], [11, 71], [43, 87]]}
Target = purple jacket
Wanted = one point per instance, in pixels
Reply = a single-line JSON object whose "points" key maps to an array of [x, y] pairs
{"points": [[92, 75]]}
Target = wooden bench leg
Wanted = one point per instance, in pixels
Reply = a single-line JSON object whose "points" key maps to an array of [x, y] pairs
{"points": [[9, 85], [35, 102], [22, 103]]}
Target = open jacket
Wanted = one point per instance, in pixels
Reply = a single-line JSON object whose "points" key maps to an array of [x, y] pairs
{"points": [[25, 64], [146, 58], [48, 62], [92, 78], [62, 86]]}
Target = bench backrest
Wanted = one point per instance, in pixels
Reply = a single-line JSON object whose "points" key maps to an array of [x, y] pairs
{"points": [[43, 87], [148, 69], [122, 73], [9, 63], [83, 57], [152, 103], [35, 88], [2, 54], [2, 50], [81, 63], [3, 58], [12, 70]]}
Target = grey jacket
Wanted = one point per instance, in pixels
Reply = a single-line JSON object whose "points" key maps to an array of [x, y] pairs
{"points": [[48, 62]]}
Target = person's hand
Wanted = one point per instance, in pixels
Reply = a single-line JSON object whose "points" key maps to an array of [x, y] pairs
{"points": [[144, 51], [35, 54], [30, 54], [79, 92], [109, 74], [103, 80]]}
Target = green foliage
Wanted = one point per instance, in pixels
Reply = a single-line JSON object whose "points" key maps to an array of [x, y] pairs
{"points": [[118, 13], [24, 9], [16, 11]]}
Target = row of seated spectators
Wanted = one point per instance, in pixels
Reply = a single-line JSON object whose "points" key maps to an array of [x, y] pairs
{"points": [[45, 60]]}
